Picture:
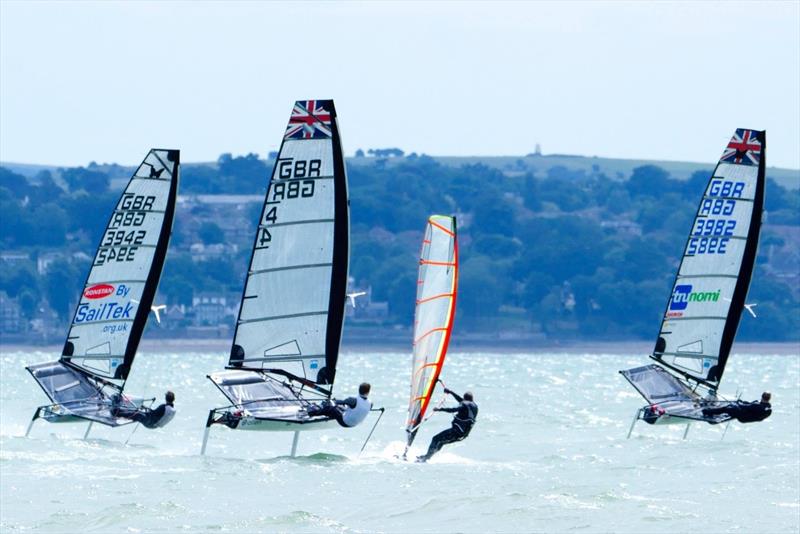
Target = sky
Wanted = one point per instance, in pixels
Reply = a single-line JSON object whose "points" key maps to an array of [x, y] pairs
{"points": [[106, 81]]}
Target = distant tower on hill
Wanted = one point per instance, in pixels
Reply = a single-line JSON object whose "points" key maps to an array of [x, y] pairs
{"points": [[538, 150]]}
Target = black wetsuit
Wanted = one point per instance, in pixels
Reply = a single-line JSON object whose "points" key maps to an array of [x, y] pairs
{"points": [[744, 412], [148, 418], [332, 410], [466, 412]]}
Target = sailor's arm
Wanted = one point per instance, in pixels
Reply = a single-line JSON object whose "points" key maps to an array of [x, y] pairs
{"points": [[349, 401], [454, 394], [448, 410]]}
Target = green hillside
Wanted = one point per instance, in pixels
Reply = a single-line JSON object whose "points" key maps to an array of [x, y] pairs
{"points": [[611, 167], [509, 165], [552, 247]]}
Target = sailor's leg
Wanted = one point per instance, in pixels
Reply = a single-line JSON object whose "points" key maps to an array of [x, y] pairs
{"points": [[125, 412], [329, 411], [146, 418], [440, 440], [633, 423], [433, 448], [295, 439], [725, 409], [209, 422], [88, 429], [338, 414], [33, 420], [686, 432], [313, 409]]}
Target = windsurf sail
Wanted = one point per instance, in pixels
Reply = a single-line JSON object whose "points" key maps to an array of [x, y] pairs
{"points": [[437, 286], [116, 298], [292, 310], [711, 285]]}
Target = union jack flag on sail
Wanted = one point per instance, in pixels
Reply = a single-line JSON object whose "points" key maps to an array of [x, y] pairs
{"points": [[744, 148], [311, 119]]}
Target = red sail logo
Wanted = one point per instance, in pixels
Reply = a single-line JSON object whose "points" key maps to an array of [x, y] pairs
{"points": [[98, 292]]}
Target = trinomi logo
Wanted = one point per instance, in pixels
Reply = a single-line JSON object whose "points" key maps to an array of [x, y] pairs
{"points": [[99, 291], [680, 297], [683, 295]]}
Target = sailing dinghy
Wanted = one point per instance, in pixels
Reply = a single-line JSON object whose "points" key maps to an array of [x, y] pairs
{"points": [[115, 302], [437, 284], [708, 295], [286, 343]]}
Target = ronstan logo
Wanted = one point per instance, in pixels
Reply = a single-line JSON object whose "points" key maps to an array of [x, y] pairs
{"points": [[98, 291]]}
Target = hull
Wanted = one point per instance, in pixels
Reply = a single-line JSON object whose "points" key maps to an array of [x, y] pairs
{"points": [[90, 410], [263, 403], [672, 400], [283, 419], [678, 413], [667, 419], [284, 425], [56, 414]]}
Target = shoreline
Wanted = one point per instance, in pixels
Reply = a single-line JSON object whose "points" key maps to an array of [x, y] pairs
{"points": [[182, 345]]}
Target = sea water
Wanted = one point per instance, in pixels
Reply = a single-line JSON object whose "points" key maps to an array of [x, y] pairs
{"points": [[549, 454]]}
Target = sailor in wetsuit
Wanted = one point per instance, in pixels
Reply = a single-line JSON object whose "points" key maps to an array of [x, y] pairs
{"points": [[348, 412], [466, 412], [745, 412], [147, 417]]}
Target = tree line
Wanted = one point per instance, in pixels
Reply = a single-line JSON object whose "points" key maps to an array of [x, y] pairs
{"points": [[568, 253]]}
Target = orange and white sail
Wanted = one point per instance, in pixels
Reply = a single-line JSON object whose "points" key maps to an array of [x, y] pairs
{"points": [[437, 285]]}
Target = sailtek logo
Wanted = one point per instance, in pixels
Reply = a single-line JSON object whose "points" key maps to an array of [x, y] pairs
{"points": [[98, 291]]}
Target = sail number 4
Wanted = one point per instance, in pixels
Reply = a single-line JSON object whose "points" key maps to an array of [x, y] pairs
{"points": [[292, 171]]}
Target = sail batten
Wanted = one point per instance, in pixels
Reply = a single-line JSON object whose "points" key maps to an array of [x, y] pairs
{"points": [[435, 311], [711, 284]]}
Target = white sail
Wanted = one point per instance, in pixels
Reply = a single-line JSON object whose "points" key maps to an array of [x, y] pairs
{"points": [[116, 298], [708, 295], [435, 312], [292, 311]]}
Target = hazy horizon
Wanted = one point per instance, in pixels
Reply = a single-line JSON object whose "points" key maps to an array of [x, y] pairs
{"points": [[264, 156]]}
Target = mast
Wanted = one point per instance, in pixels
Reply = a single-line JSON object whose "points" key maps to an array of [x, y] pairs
{"points": [[710, 288], [748, 258]]}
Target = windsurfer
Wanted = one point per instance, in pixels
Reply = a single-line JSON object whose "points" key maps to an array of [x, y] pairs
{"points": [[349, 412], [744, 412], [466, 413], [147, 417]]}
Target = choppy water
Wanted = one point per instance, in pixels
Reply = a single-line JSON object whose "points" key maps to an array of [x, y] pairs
{"points": [[548, 454]]}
